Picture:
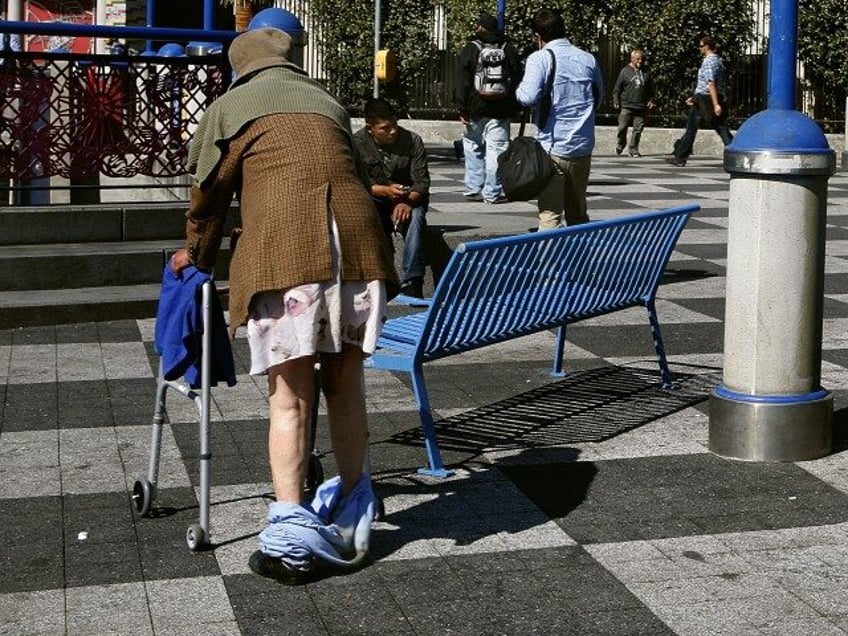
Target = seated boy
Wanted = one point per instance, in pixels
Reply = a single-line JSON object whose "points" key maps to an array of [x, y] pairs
{"points": [[400, 184]]}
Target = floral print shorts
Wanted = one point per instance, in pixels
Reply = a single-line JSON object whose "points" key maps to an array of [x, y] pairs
{"points": [[314, 318]]}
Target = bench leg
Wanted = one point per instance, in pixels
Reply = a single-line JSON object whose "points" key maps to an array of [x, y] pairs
{"points": [[667, 378], [434, 455], [559, 354]]}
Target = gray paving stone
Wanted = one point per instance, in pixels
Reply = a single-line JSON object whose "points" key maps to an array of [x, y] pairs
{"points": [[39, 612], [120, 608], [188, 605]]}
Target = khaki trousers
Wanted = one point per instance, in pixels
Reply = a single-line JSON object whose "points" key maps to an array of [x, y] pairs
{"points": [[563, 201]]}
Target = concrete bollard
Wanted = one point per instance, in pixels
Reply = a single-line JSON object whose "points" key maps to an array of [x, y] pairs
{"points": [[771, 405]]}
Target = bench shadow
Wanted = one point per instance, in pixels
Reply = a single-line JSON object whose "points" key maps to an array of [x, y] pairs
{"points": [[672, 275], [481, 509], [586, 406]]}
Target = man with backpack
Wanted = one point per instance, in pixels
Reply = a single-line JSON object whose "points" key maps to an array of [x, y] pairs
{"points": [[487, 71]]}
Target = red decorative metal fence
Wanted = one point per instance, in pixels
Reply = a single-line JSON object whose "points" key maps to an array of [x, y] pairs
{"points": [[79, 116]]}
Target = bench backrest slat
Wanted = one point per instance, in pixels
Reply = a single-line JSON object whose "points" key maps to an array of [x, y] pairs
{"points": [[497, 289]]}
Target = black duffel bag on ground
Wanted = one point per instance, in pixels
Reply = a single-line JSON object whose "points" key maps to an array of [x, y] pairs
{"points": [[525, 167]]}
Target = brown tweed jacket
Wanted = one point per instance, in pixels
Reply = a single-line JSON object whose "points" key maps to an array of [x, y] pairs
{"points": [[291, 173]]}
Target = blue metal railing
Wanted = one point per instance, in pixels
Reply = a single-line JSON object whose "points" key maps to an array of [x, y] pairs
{"points": [[161, 34]]}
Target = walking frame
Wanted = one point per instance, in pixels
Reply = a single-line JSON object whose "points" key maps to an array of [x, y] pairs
{"points": [[144, 490]]}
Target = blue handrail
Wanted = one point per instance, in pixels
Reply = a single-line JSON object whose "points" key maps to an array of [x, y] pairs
{"points": [[104, 31]]}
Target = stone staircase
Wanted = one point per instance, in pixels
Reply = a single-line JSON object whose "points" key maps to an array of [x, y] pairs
{"points": [[78, 263]]}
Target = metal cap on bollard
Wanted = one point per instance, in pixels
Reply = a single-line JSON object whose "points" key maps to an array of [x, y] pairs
{"points": [[780, 142], [172, 49], [199, 49]]}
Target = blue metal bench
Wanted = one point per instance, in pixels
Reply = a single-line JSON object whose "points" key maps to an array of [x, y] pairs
{"points": [[498, 289]]}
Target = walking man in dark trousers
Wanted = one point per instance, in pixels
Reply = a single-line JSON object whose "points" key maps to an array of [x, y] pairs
{"points": [[707, 104]]}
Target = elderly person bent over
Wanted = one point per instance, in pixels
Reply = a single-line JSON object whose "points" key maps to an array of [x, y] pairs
{"points": [[310, 277]]}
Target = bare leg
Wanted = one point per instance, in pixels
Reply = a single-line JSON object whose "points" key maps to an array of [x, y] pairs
{"points": [[343, 384], [291, 391]]}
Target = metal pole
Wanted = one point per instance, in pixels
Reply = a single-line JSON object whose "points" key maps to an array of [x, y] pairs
{"points": [[845, 147], [502, 15], [771, 405], [151, 13], [376, 45], [14, 12], [208, 14], [100, 18], [96, 31], [783, 29]]}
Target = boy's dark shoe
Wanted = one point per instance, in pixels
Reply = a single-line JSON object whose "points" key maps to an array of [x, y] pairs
{"points": [[413, 287]]}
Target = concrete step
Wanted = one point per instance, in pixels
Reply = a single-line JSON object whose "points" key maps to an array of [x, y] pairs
{"points": [[85, 304], [31, 225], [128, 274], [78, 224], [76, 265]]}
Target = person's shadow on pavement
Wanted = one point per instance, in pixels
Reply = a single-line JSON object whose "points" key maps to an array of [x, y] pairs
{"points": [[486, 507]]}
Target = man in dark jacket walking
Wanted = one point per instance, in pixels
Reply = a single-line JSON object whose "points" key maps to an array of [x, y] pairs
{"points": [[633, 93], [487, 71]]}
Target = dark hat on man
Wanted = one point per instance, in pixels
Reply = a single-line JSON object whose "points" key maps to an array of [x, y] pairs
{"points": [[258, 49], [488, 22]]}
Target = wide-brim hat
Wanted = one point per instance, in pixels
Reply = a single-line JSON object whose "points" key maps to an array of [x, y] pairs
{"points": [[258, 49]]}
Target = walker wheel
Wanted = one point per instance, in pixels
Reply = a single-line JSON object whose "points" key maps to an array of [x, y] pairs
{"points": [[195, 537], [142, 497]]}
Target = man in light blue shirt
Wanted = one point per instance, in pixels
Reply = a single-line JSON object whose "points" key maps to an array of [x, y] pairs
{"points": [[568, 131]]}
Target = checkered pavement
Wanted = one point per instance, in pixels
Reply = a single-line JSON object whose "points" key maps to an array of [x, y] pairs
{"points": [[582, 505]]}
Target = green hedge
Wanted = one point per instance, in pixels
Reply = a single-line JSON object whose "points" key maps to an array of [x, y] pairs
{"points": [[667, 30], [823, 47]]}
